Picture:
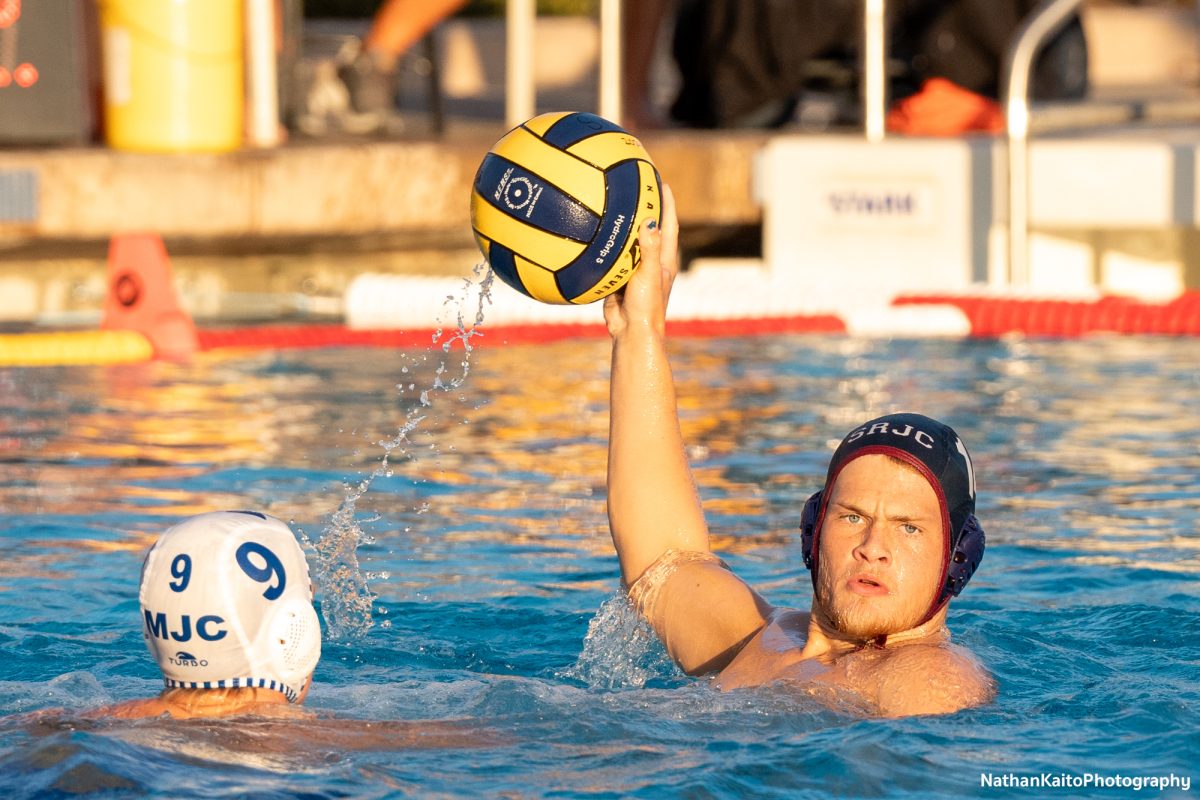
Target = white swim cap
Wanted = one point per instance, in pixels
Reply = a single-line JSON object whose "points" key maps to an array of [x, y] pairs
{"points": [[227, 602]]}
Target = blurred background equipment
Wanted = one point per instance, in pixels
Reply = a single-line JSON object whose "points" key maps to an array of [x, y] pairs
{"points": [[173, 75], [283, 233], [45, 72]]}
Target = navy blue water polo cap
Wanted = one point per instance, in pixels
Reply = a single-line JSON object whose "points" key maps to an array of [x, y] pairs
{"points": [[934, 450]]}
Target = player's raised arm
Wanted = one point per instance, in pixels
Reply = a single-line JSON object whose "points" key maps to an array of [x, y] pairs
{"points": [[652, 502], [702, 611]]}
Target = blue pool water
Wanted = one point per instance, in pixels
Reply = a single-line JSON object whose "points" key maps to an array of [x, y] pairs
{"points": [[495, 609]]}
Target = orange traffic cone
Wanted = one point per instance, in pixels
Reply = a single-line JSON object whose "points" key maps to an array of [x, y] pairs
{"points": [[141, 296]]}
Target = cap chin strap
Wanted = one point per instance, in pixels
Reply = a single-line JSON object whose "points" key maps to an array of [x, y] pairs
{"points": [[938, 604]]}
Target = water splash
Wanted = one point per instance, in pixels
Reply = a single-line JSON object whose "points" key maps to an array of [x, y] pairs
{"points": [[620, 650], [348, 601]]}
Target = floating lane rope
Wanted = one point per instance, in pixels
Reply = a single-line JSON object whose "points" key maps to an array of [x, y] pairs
{"points": [[986, 317], [74, 348], [997, 316], [308, 336]]}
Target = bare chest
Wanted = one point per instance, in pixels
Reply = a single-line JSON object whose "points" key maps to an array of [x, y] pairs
{"points": [[780, 652]]}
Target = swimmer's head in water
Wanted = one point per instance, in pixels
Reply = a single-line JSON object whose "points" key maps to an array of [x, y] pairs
{"points": [[226, 601], [935, 452]]}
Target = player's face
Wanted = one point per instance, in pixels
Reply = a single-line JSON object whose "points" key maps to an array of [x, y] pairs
{"points": [[881, 548]]}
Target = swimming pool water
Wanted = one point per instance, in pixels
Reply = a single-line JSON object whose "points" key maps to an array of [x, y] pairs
{"points": [[495, 586]]}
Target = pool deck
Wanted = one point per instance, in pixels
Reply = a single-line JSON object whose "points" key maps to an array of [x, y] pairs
{"points": [[315, 189], [291, 233], [302, 219]]}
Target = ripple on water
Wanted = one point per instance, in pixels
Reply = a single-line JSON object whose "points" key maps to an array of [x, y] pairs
{"points": [[483, 544]]}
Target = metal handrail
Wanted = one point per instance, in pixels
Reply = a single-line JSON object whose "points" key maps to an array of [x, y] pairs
{"points": [[874, 93], [262, 79], [1040, 26], [520, 92], [610, 60]]}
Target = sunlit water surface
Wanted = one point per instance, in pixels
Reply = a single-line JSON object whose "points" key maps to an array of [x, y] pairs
{"points": [[484, 560]]}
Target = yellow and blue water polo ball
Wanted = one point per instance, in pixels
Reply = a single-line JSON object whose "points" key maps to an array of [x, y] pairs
{"points": [[557, 205]]}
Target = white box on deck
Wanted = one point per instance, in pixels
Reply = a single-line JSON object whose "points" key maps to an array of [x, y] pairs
{"points": [[903, 215]]}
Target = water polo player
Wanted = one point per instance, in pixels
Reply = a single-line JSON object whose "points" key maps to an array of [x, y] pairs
{"points": [[227, 613], [890, 538]]}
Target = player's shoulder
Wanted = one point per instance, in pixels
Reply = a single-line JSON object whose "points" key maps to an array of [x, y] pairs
{"points": [[937, 678], [943, 659]]}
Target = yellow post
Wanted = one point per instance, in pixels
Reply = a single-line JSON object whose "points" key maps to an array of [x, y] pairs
{"points": [[173, 75]]}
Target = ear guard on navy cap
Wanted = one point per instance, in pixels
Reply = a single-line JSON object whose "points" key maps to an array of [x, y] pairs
{"points": [[967, 547], [808, 528], [968, 552]]}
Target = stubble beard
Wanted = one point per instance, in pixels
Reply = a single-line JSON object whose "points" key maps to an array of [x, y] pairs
{"points": [[859, 617]]}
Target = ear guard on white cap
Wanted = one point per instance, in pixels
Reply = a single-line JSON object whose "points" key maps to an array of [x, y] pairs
{"points": [[226, 602], [293, 640]]}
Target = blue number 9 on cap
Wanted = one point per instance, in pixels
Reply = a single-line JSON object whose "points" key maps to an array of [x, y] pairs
{"points": [[265, 573], [181, 570]]}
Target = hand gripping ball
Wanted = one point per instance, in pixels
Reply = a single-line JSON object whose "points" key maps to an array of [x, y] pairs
{"points": [[557, 205]]}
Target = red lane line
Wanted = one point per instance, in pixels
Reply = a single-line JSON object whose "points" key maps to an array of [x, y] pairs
{"points": [[988, 316], [995, 316], [307, 336], [303, 336]]}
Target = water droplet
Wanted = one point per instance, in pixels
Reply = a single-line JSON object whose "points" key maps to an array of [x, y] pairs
{"points": [[348, 600]]}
